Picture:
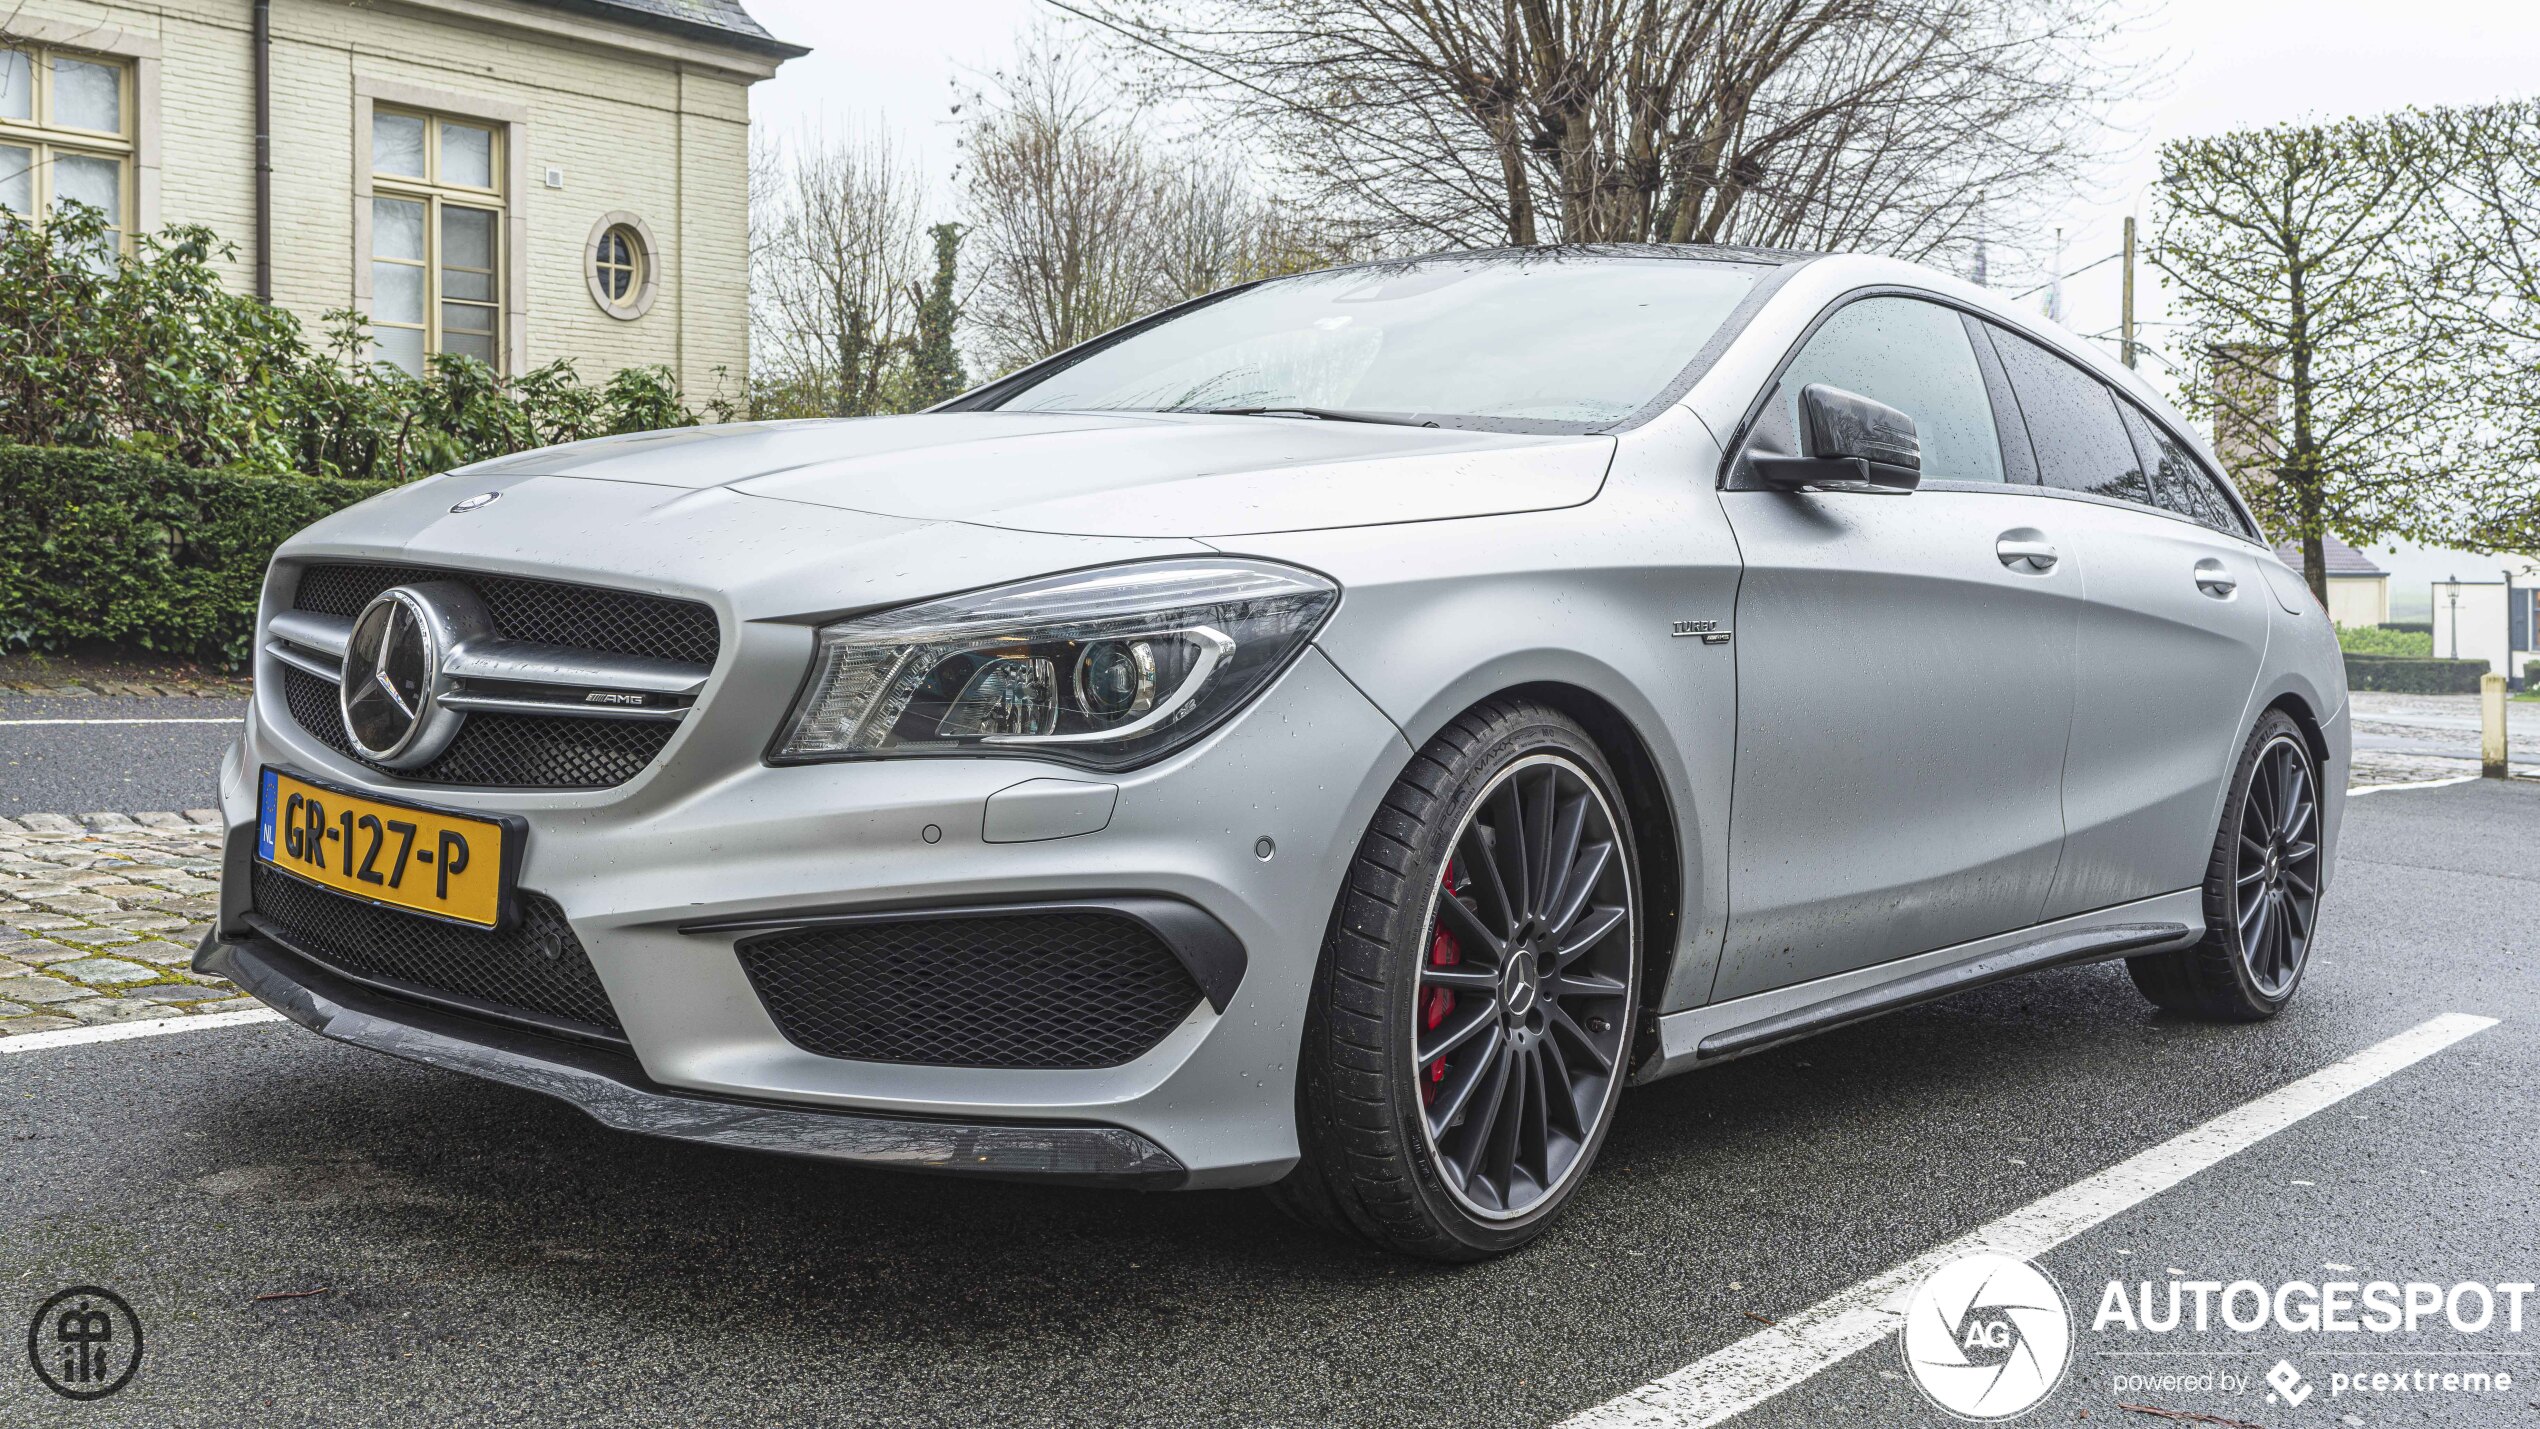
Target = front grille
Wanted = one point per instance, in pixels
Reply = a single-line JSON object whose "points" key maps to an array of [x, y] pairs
{"points": [[550, 612], [505, 751], [1038, 990], [536, 968]]}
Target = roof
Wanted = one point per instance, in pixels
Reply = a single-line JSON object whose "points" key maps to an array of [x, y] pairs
{"points": [[2340, 558], [714, 21]]}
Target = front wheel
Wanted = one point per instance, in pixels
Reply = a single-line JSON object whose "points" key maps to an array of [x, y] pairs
{"points": [[2262, 890], [1468, 1033]]}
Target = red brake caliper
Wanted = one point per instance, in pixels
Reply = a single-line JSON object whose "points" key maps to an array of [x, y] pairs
{"points": [[1444, 952]]}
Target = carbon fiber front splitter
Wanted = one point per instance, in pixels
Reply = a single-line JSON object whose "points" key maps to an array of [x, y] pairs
{"points": [[611, 1088]]}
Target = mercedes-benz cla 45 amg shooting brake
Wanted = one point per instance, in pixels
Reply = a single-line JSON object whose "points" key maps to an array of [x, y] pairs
{"points": [[1332, 735]]}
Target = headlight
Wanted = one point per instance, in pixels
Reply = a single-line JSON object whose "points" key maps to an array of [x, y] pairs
{"points": [[1104, 668]]}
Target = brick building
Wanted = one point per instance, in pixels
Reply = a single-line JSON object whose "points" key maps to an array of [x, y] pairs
{"points": [[519, 180]]}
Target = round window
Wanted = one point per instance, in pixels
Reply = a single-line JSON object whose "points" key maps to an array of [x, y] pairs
{"points": [[621, 265]]}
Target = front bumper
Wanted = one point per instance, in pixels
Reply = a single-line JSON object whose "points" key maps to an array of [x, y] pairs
{"points": [[613, 1089], [662, 877]]}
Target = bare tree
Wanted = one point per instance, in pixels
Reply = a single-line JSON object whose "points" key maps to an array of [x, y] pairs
{"points": [[1059, 188], [1834, 123], [839, 262]]}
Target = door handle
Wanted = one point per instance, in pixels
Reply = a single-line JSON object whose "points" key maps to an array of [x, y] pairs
{"points": [[2028, 552], [2215, 579]]}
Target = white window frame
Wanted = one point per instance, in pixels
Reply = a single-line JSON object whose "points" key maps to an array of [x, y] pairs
{"points": [[136, 148], [510, 123], [647, 266]]}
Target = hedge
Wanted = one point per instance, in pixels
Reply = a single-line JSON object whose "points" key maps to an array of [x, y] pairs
{"points": [[110, 546], [2398, 674]]}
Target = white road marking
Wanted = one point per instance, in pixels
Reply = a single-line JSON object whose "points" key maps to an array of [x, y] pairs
{"points": [[2415, 784], [1733, 1380], [119, 1031], [176, 719]]}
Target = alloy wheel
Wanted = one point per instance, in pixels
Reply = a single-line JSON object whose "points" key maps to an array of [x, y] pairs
{"points": [[2275, 886], [1527, 972]]}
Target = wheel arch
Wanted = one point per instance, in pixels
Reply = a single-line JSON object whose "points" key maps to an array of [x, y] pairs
{"points": [[1649, 806], [2305, 719]]}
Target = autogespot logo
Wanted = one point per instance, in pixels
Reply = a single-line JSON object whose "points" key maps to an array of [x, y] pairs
{"points": [[1987, 1336]]}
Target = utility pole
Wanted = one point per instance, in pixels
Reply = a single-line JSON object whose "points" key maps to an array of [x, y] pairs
{"points": [[2125, 318]]}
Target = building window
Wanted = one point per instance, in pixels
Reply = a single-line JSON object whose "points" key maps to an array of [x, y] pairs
{"points": [[436, 238], [66, 134], [620, 264]]}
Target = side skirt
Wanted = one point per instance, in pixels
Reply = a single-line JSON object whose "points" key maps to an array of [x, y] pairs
{"points": [[1701, 1036]]}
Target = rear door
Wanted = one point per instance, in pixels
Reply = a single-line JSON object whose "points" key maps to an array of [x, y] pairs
{"points": [[2173, 633], [1904, 686]]}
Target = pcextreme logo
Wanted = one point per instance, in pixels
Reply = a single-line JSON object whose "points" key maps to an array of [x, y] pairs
{"points": [[1987, 1337]]}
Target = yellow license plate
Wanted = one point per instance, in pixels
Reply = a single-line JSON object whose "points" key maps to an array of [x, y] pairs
{"points": [[454, 866]]}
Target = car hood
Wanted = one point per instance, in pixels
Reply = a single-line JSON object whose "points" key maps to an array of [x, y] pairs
{"points": [[1101, 474]]}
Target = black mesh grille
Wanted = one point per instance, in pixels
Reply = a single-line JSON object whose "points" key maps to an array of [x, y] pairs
{"points": [[551, 612], [1040, 990], [500, 750], [535, 966]]}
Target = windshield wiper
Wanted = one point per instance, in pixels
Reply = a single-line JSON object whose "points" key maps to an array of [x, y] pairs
{"points": [[1328, 414]]}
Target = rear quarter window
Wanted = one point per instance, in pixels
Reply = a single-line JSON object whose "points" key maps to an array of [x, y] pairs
{"points": [[2180, 482], [2073, 425]]}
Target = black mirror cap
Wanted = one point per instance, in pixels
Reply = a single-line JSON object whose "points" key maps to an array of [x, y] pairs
{"points": [[1847, 424], [1851, 441]]}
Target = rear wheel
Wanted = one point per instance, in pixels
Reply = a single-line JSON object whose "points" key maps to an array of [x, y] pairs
{"points": [[1467, 1037], [2262, 890]]}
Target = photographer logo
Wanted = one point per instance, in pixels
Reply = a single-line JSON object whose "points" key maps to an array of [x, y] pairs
{"points": [[1987, 1337], [84, 1343]]}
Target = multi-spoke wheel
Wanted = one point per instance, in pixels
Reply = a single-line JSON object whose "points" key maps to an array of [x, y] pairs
{"points": [[2276, 893], [2262, 889], [1471, 1025], [1525, 992]]}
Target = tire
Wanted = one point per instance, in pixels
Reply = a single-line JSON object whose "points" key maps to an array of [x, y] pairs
{"points": [[2262, 890], [1436, 1006]]}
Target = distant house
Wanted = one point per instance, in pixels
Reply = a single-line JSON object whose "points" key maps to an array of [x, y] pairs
{"points": [[2358, 590], [516, 180]]}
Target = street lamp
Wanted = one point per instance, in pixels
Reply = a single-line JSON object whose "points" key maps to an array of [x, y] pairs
{"points": [[2455, 583]]}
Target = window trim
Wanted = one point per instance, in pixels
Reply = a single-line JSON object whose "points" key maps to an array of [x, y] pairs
{"points": [[510, 123], [136, 149], [647, 266], [1735, 447]]}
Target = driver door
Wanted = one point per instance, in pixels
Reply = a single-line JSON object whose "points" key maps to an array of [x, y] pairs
{"points": [[1905, 686]]}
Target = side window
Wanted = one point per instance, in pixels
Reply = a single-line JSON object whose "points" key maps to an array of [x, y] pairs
{"points": [[1914, 357], [2081, 442], [2180, 483]]}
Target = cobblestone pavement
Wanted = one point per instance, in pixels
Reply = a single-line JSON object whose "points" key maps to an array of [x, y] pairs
{"points": [[2407, 739], [99, 917]]}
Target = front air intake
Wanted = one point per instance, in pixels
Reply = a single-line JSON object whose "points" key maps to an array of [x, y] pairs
{"points": [[1053, 990]]}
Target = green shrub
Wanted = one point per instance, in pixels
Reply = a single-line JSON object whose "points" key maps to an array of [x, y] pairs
{"points": [[2420, 627], [151, 354], [2384, 640], [2405, 676], [144, 552]]}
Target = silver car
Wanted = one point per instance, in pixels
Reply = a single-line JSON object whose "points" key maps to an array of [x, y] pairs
{"points": [[1329, 736]]}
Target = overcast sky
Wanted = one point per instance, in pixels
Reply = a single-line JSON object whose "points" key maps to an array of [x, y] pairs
{"points": [[2231, 63]]}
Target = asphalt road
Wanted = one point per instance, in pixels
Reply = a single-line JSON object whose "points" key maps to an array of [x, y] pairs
{"points": [[115, 754], [490, 1258]]}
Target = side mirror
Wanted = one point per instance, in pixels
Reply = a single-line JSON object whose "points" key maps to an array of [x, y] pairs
{"points": [[1851, 443]]}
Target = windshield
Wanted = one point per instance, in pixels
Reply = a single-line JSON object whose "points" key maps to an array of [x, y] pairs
{"points": [[1557, 339]]}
